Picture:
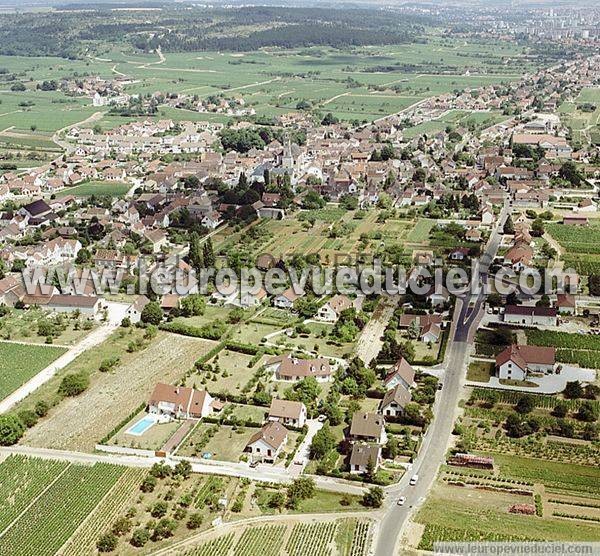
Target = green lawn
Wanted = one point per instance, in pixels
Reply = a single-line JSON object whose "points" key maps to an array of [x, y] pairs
{"points": [[19, 363]]}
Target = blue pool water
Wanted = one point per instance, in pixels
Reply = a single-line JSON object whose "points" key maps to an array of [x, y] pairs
{"points": [[141, 426]]}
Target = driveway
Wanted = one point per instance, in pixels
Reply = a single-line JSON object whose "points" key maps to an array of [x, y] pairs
{"points": [[116, 313], [303, 450]]}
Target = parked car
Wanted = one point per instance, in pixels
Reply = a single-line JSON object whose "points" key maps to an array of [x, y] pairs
{"points": [[254, 464], [413, 480]]}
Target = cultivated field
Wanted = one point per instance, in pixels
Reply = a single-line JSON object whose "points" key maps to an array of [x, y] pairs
{"points": [[20, 362], [51, 516]]}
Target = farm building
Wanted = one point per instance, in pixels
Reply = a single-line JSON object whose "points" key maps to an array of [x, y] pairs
{"points": [[530, 316], [515, 362]]}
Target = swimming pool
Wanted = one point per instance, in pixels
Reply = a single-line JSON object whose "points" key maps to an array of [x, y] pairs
{"points": [[141, 426]]}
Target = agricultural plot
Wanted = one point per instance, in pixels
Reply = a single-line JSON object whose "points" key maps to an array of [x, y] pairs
{"points": [[266, 540], [583, 116], [581, 246], [454, 513], [55, 515], [20, 362], [83, 541], [578, 349], [216, 547], [98, 188], [22, 480], [314, 539]]}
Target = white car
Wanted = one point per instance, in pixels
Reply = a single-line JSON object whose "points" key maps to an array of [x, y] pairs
{"points": [[401, 500], [413, 480]]}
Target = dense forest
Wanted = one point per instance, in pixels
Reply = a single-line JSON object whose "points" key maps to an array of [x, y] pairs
{"points": [[72, 33]]}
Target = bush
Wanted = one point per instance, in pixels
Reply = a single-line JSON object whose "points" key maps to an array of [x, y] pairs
{"points": [[41, 408], [28, 418], [107, 542], [159, 509], [373, 498], [74, 384], [11, 430], [140, 537], [194, 521]]}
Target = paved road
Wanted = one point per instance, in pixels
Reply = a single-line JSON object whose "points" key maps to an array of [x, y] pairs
{"points": [[467, 315], [116, 312]]}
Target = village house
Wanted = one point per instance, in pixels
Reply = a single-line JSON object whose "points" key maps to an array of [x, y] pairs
{"points": [[286, 299], [517, 361], [401, 373], [566, 303], [288, 412], [331, 311], [266, 444], [394, 401], [179, 402], [365, 458], [134, 311], [368, 427], [290, 368]]}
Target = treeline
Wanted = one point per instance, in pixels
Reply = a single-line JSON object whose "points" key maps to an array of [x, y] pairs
{"points": [[72, 34], [288, 36]]}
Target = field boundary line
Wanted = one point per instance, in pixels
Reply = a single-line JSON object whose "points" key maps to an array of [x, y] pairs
{"points": [[10, 525]]}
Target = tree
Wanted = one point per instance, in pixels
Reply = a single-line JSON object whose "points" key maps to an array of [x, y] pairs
{"points": [[140, 537], [414, 330], [588, 412], [164, 529], [11, 430], [148, 484], [183, 468], [573, 390], [195, 254], [373, 498], [122, 526], [83, 256], [208, 253], [525, 404], [302, 488], [193, 305], [74, 384], [560, 409], [107, 542], [152, 313], [159, 509], [277, 500], [509, 226], [322, 442], [194, 521]]}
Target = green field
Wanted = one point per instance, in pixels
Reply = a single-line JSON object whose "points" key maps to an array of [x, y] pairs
{"points": [[581, 246], [98, 188], [19, 362], [362, 83], [584, 124]]}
